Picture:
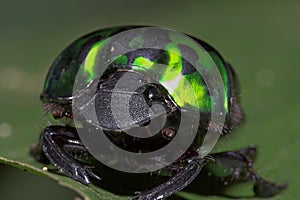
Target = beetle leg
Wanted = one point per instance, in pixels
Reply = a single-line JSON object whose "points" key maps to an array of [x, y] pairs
{"points": [[53, 141], [237, 166], [177, 182]]}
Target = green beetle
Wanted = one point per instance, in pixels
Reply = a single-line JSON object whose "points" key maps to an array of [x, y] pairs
{"points": [[168, 80]]}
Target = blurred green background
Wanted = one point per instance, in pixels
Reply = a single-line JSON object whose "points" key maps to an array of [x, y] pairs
{"points": [[260, 39]]}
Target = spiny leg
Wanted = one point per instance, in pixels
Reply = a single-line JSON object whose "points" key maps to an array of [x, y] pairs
{"points": [[237, 166], [177, 182], [77, 151], [60, 144]]}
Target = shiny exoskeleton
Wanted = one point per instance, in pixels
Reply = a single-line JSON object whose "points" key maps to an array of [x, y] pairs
{"points": [[62, 146]]}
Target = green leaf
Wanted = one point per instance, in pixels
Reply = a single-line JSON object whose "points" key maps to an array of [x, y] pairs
{"points": [[19, 157], [260, 39]]}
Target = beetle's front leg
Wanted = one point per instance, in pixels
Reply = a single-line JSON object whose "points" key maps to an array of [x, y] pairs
{"points": [[237, 166], [63, 147], [177, 182]]}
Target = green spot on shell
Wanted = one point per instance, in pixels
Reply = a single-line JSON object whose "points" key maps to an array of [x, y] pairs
{"points": [[90, 61], [142, 63], [223, 72], [174, 63], [121, 60]]}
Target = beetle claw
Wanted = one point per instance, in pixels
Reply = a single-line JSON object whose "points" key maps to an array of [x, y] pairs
{"points": [[83, 174], [263, 188], [92, 174]]}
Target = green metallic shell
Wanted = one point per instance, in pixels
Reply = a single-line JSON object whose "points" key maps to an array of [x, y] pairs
{"points": [[61, 75], [183, 83]]}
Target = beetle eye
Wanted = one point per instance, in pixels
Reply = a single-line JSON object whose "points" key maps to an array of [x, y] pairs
{"points": [[154, 94]]}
